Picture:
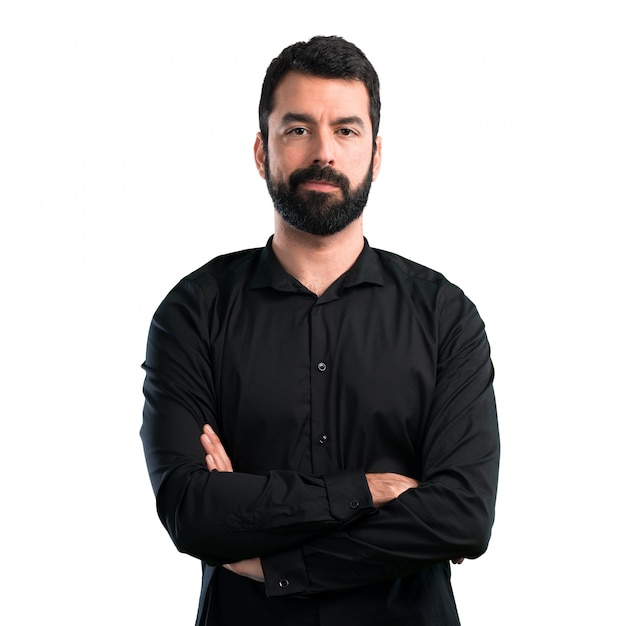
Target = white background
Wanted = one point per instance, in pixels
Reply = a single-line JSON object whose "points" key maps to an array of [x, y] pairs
{"points": [[126, 132]]}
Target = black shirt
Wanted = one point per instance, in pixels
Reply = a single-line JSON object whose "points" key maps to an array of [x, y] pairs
{"points": [[388, 371]]}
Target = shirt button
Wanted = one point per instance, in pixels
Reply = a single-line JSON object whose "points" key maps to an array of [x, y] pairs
{"points": [[323, 439], [321, 366], [283, 583], [354, 504]]}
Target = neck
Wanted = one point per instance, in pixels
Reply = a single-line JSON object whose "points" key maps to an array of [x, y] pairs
{"points": [[317, 261]]}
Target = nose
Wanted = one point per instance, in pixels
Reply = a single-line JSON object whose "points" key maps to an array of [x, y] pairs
{"points": [[323, 150]]}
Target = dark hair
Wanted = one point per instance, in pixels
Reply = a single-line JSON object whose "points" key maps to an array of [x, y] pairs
{"points": [[326, 57]]}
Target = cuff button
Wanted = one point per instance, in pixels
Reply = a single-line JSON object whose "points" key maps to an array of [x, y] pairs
{"points": [[283, 583], [354, 504]]}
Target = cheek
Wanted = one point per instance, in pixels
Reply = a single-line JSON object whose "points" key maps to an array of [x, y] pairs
{"points": [[357, 159], [358, 169], [282, 162]]}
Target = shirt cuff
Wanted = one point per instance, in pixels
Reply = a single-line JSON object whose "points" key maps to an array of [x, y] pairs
{"points": [[285, 573], [349, 495], [349, 498]]}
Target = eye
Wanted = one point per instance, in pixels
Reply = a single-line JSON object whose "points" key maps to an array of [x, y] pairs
{"points": [[299, 131], [346, 132]]}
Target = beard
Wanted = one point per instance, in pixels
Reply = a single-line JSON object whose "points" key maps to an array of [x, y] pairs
{"points": [[315, 212]]}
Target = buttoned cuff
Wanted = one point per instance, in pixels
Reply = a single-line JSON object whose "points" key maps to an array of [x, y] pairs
{"points": [[285, 573], [349, 498], [349, 495]]}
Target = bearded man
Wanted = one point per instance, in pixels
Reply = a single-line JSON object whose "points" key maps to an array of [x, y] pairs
{"points": [[320, 425]]}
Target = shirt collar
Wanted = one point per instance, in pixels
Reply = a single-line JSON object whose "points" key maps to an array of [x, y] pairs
{"points": [[270, 273]]}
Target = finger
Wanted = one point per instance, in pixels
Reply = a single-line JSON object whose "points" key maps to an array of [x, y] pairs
{"points": [[213, 437], [206, 443], [215, 458], [213, 446]]}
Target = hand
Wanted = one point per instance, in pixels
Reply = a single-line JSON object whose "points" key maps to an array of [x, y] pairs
{"points": [[250, 568], [216, 457], [387, 486]]}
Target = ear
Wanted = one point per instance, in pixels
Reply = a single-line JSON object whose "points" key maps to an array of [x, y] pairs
{"points": [[377, 157], [259, 155]]}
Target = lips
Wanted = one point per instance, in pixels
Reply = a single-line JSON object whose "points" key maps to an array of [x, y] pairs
{"points": [[319, 185]]}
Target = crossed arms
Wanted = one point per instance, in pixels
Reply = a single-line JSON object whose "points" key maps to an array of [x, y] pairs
{"points": [[384, 488], [302, 526]]}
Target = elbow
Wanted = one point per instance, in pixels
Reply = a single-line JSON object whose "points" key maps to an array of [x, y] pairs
{"points": [[183, 534], [476, 544], [190, 538], [191, 530], [474, 535], [184, 543]]}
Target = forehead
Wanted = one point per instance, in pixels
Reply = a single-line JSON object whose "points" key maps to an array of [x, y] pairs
{"points": [[320, 97]]}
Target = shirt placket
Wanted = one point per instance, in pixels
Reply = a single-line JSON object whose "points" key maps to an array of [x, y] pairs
{"points": [[321, 373]]}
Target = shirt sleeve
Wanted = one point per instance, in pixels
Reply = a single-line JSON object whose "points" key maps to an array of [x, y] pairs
{"points": [[216, 516], [451, 513]]}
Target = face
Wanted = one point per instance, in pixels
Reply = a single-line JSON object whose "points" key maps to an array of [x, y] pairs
{"points": [[321, 156]]}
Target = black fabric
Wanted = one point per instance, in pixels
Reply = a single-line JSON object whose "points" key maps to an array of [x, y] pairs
{"points": [[388, 371]]}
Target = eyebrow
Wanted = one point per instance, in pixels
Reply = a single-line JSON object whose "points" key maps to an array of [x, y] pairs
{"points": [[354, 120]]}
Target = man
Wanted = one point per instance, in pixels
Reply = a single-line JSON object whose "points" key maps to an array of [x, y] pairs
{"points": [[320, 426]]}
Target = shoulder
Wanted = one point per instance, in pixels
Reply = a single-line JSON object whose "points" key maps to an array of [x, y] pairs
{"points": [[411, 270], [225, 270], [423, 281], [202, 287], [430, 294]]}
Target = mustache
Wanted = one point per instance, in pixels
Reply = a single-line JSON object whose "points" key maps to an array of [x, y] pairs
{"points": [[315, 172]]}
